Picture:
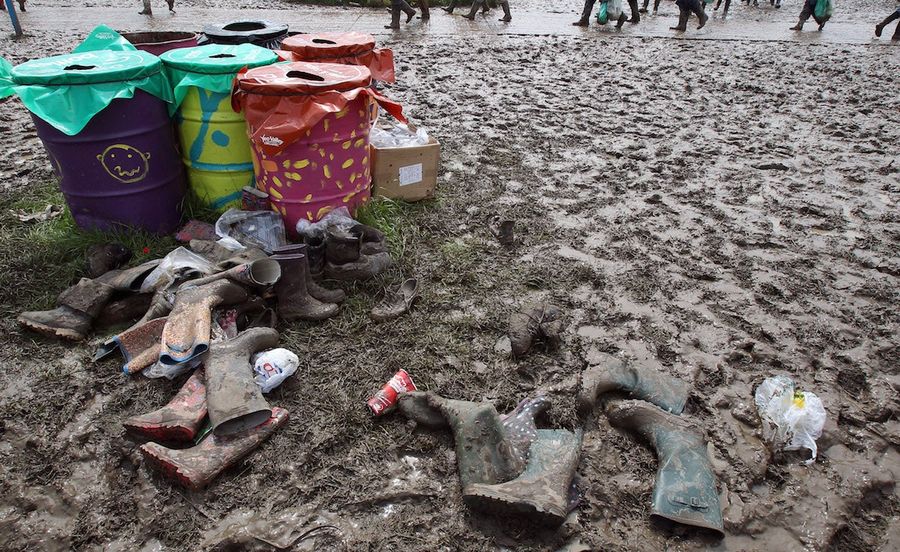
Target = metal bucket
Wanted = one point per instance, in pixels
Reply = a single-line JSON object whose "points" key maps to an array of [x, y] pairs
{"points": [[158, 42], [122, 169], [326, 169], [215, 148]]}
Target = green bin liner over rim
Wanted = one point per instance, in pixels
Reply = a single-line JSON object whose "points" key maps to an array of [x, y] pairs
{"points": [[67, 91], [211, 67]]}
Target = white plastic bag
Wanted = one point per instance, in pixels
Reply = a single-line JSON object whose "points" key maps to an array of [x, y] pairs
{"points": [[397, 136], [339, 217], [613, 10], [273, 367], [791, 419], [239, 229], [177, 265]]}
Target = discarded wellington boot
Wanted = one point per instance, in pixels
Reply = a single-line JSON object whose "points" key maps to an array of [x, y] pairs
{"points": [[520, 428], [321, 293], [364, 268], [541, 492], [177, 421], [504, 231], [683, 15], [72, 319], [186, 334], [640, 380], [210, 250], [483, 453], [537, 321], [197, 466], [341, 246], [685, 489], [414, 405], [294, 299], [101, 258], [396, 303], [129, 279], [371, 239], [315, 254], [125, 310], [244, 256], [261, 273], [234, 400], [160, 305], [139, 345]]}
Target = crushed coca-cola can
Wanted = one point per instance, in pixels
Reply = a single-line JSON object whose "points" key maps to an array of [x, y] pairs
{"points": [[385, 399]]}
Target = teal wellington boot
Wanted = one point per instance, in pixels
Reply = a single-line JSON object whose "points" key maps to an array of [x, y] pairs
{"points": [[685, 490], [642, 381], [541, 492]]}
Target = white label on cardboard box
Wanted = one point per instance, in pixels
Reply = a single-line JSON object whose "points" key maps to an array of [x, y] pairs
{"points": [[411, 174]]}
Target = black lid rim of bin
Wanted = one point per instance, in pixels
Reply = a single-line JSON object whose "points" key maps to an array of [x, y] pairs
{"points": [[256, 29]]}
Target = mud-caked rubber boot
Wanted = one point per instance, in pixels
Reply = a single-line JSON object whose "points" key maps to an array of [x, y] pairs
{"points": [[320, 292], [122, 310], [342, 246], [72, 319], [541, 492], [685, 489], [233, 398], [242, 257], [635, 12], [414, 405], [701, 15], [621, 21], [520, 428], [537, 321], [683, 15], [409, 11], [315, 254], [798, 26], [129, 279], [179, 420], [261, 273], [483, 454], [507, 15], [371, 239], [210, 250], [640, 380], [101, 258], [294, 299], [365, 267], [197, 466], [140, 345], [187, 330], [585, 20], [476, 5]]}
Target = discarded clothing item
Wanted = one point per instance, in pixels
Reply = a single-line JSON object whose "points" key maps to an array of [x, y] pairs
{"points": [[541, 492], [179, 420], [520, 428], [77, 307], [101, 258], [123, 310], [197, 466], [187, 331], [685, 489], [537, 321], [234, 400], [483, 453], [261, 273], [319, 292], [396, 303], [294, 299], [639, 379]]}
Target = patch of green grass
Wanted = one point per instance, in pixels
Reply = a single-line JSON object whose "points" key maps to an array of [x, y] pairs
{"points": [[397, 219]]}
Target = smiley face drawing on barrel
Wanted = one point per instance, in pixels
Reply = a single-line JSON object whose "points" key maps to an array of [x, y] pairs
{"points": [[125, 163]]}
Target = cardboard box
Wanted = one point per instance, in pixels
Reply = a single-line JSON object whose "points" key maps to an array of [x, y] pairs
{"points": [[406, 173]]}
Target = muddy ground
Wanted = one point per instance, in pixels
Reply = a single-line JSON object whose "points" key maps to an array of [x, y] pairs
{"points": [[729, 210]]}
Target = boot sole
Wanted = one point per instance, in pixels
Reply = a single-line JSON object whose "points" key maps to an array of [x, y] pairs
{"points": [[480, 497], [173, 433], [50, 331], [183, 475]]}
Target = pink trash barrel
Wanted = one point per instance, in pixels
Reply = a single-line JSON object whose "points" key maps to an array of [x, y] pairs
{"points": [[309, 131], [158, 42]]}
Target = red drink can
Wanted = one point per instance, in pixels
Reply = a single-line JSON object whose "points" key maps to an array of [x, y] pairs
{"points": [[385, 399]]}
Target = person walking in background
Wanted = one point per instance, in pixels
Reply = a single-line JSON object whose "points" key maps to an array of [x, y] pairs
{"points": [[476, 4], [396, 7], [887, 21], [809, 10], [148, 11], [685, 8], [589, 7], [423, 7]]}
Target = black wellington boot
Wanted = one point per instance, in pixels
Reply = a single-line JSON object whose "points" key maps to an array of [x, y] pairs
{"points": [[476, 5], [635, 12], [507, 16], [585, 15], [683, 15]]}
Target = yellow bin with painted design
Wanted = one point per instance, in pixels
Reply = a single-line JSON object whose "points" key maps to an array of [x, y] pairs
{"points": [[214, 143]]}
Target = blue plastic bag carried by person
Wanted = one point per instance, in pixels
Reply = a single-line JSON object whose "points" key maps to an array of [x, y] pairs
{"points": [[602, 17], [823, 10]]}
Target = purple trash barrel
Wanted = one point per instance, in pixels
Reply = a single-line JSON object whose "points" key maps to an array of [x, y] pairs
{"points": [[103, 118], [158, 42], [122, 169]]}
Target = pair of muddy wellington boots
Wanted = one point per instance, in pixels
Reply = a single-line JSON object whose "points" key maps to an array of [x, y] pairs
{"points": [[80, 305], [240, 417], [535, 322], [506, 465], [685, 489], [356, 252], [299, 296], [398, 6], [482, 4]]}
